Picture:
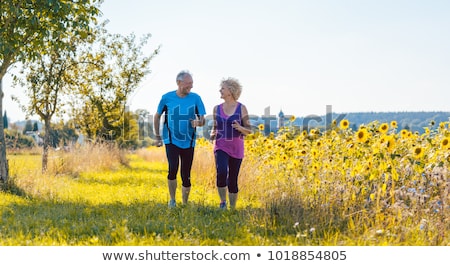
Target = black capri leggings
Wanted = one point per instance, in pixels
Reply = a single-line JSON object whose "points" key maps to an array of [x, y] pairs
{"points": [[227, 171], [174, 156]]}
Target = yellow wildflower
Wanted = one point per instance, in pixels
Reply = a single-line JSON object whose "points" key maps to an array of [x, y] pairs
{"points": [[383, 128], [362, 135], [394, 124], [418, 152], [344, 124], [445, 143]]}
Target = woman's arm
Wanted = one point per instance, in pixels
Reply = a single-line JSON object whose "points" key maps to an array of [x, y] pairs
{"points": [[246, 127]]}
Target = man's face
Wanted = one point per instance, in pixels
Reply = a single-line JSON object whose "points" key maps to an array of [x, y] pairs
{"points": [[185, 86]]}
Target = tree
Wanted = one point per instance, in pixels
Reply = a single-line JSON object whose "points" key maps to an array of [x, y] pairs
{"points": [[28, 28], [5, 121], [143, 120], [35, 126], [63, 133], [28, 127], [112, 68], [45, 82]]}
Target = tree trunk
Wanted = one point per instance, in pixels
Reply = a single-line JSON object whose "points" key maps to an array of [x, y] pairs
{"points": [[46, 146], [3, 161]]}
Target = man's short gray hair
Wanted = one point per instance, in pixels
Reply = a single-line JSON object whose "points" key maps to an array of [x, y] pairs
{"points": [[183, 74]]}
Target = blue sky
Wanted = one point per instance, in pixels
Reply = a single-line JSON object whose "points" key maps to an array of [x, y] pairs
{"points": [[298, 56]]}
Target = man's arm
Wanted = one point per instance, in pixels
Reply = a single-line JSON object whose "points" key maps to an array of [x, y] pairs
{"points": [[156, 130], [213, 133]]}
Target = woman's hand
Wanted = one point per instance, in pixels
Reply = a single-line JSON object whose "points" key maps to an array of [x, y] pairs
{"points": [[236, 125]]}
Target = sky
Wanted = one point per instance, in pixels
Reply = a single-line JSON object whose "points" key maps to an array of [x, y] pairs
{"points": [[296, 56]]}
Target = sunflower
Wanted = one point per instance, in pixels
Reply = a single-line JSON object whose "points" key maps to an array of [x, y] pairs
{"points": [[315, 166], [344, 124], [362, 135], [250, 137], [314, 153], [383, 128], [418, 152], [404, 133], [445, 143], [390, 144], [261, 127], [394, 124], [292, 118]]}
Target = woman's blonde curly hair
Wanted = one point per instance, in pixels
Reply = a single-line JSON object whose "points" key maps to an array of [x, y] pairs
{"points": [[233, 85]]}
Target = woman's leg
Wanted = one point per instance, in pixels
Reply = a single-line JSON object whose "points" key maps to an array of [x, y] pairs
{"points": [[234, 167], [221, 176], [221, 168], [233, 188]]}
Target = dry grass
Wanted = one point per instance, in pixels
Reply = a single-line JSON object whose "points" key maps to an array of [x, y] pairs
{"points": [[88, 157]]}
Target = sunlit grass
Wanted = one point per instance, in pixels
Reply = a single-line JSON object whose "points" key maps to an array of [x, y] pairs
{"points": [[369, 187]]}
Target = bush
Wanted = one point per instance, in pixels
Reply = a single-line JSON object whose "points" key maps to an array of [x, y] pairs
{"points": [[17, 140]]}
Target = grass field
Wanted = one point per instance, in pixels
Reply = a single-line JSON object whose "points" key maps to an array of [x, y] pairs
{"points": [[376, 186]]}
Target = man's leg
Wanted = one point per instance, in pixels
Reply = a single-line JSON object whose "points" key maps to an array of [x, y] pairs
{"points": [[173, 154], [187, 157]]}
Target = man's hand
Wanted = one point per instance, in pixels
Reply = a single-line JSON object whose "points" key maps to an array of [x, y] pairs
{"points": [[197, 122], [212, 135], [158, 142]]}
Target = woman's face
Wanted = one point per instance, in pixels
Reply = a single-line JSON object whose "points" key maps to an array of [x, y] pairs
{"points": [[225, 92]]}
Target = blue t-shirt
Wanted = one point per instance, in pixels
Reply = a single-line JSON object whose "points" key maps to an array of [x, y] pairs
{"points": [[179, 111]]}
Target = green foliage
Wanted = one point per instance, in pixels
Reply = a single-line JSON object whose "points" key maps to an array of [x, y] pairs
{"points": [[28, 126], [16, 140], [110, 68], [35, 126], [29, 28], [63, 134], [5, 120]]}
